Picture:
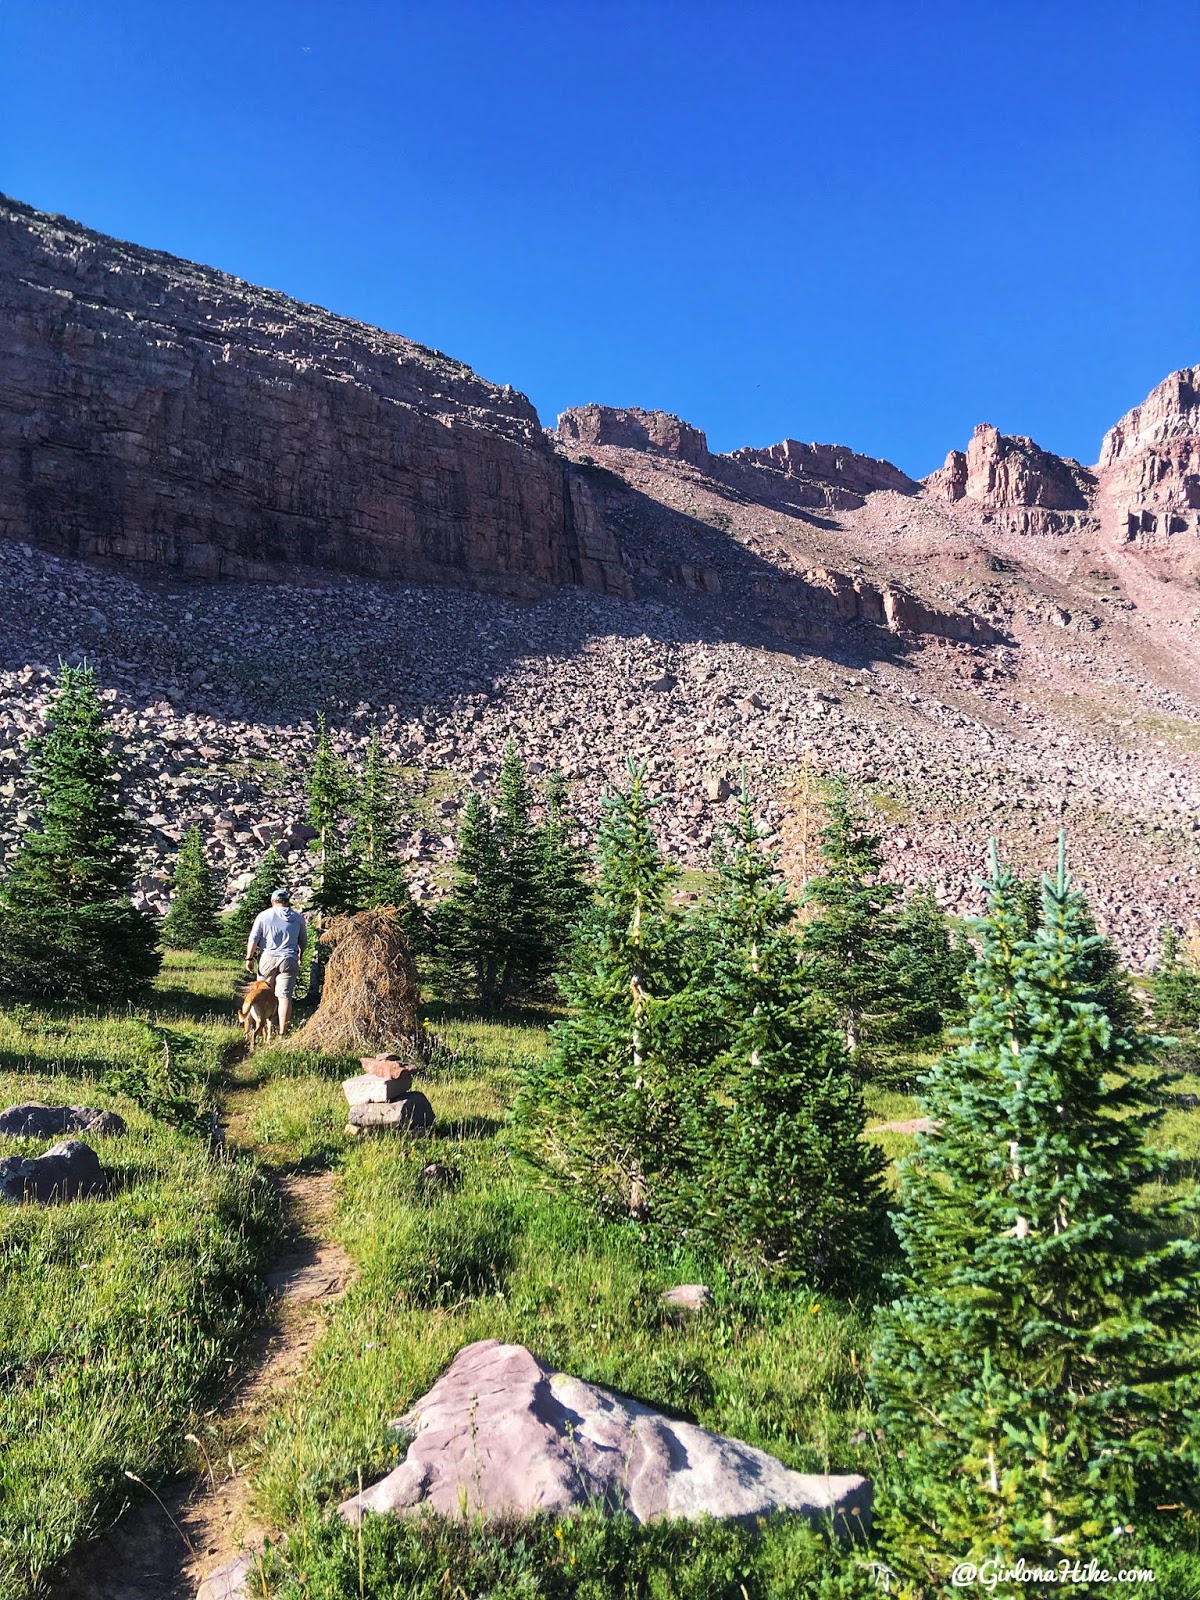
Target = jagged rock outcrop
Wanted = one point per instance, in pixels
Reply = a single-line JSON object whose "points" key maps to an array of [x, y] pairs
{"points": [[1150, 464], [1000, 471], [1144, 488], [161, 412], [834, 474], [635, 429], [832, 464]]}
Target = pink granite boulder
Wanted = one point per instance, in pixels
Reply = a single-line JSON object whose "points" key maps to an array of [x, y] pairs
{"points": [[502, 1434]]}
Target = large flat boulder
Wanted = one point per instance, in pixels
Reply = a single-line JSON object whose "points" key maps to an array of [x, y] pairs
{"points": [[502, 1434], [408, 1113], [32, 1120], [69, 1170]]}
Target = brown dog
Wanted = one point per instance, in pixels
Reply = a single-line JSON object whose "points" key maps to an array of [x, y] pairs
{"points": [[259, 1012]]}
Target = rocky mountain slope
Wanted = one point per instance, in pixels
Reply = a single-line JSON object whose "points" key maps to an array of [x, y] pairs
{"points": [[1008, 647]]}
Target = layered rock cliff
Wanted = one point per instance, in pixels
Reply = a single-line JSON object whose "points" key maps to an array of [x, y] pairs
{"points": [[635, 429], [1000, 470], [171, 415]]}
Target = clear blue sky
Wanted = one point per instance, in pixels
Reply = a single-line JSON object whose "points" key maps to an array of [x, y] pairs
{"points": [[870, 223]]}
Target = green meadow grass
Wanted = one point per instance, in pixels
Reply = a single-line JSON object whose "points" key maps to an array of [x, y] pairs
{"points": [[121, 1317], [122, 1320]]}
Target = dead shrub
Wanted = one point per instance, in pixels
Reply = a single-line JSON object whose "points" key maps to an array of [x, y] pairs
{"points": [[370, 1000]]}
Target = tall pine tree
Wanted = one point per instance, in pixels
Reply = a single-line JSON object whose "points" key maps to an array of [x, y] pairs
{"points": [[781, 1178], [518, 890], [524, 952], [330, 789], [70, 930], [1037, 1377], [195, 900], [602, 1112], [929, 964], [466, 955], [562, 866]]}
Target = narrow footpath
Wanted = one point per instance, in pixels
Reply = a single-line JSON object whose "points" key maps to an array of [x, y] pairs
{"points": [[163, 1547]]}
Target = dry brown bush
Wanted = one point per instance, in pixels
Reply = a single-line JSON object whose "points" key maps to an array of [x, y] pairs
{"points": [[371, 998]]}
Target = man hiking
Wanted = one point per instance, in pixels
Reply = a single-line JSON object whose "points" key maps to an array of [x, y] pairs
{"points": [[279, 937]]}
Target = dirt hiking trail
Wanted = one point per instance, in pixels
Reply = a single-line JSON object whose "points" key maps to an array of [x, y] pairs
{"points": [[162, 1549]]}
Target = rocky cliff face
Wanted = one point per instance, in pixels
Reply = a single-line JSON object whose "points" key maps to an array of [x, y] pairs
{"points": [[160, 412], [1002, 471], [833, 475], [1150, 464], [1144, 488], [635, 429], [831, 464]]}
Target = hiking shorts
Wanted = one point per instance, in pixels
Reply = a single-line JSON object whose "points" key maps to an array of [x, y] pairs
{"points": [[282, 978]]}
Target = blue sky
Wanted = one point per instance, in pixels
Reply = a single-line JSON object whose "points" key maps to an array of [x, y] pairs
{"points": [[859, 222]]}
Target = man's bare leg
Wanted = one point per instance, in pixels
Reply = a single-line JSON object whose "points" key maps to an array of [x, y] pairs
{"points": [[285, 1014]]}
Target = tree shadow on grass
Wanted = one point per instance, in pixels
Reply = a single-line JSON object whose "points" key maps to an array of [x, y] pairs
{"points": [[469, 1127], [437, 1012]]}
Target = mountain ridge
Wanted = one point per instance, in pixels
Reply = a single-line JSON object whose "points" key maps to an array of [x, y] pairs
{"points": [[1008, 647]]}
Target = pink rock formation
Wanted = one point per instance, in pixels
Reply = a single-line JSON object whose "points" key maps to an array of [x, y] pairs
{"points": [[832, 474], [1150, 463], [1001, 470], [168, 414], [828, 463], [502, 1434], [1144, 488], [635, 429]]}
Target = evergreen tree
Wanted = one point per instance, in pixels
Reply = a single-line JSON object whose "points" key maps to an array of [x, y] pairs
{"points": [[195, 899], [1176, 986], [524, 951], [269, 875], [517, 891], [377, 875], [929, 965], [330, 790], [849, 942], [563, 866], [782, 1179], [467, 958], [1039, 1371], [69, 928], [602, 1111]]}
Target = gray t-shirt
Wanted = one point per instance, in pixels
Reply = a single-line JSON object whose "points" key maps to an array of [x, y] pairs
{"points": [[279, 934]]}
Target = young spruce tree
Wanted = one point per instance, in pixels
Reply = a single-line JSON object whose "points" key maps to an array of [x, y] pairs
{"points": [[464, 923], [930, 965], [377, 875], [849, 941], [330, 790], [518, 890], [562, 867], [69, 928], [195, 900], [1176, 986], [1039, 1371], [783, 1180], [602, 1112], [269, 875]]}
